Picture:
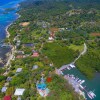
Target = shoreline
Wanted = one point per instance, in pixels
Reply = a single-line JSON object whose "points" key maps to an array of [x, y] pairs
{"points": [[7, 32], [7, 27], [11, 56]]}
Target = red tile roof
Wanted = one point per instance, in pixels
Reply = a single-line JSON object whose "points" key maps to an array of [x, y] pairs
{"points": [[7, 98], [19, 56], [35, 54]]}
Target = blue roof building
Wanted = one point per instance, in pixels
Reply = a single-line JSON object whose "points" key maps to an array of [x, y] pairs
{"points": [[41, 86]]}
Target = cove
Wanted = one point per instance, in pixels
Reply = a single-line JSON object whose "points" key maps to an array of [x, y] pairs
{"points": [[93, 84]]}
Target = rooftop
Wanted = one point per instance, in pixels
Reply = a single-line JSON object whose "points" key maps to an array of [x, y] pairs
{"points": [[7, 98], [19, 92], [19, 70], [4, 89]]}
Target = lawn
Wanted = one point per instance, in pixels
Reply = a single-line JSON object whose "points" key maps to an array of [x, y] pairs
{"points": [[75, 47]]}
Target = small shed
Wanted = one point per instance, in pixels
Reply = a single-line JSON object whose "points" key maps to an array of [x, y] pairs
{"points": [[19, 70], [7, 98], [19, 92], [35, 67], [4, 89]]}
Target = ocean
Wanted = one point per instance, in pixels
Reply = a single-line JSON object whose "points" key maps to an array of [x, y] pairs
{"points": [[5, 20]]}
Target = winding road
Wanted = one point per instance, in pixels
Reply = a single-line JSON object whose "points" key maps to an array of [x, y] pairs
{"points": [[82, 53]]}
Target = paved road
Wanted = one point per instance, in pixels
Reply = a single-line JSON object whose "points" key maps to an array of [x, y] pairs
{"points": [[82, 53]]}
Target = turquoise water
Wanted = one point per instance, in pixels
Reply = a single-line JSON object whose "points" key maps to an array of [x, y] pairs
{"points": [[93, 84], [5, 20]]}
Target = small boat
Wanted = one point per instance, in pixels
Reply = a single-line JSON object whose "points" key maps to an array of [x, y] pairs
{"points": [[91, 94], [79, 81], [68, 68], [82, 81], [72, 66], [76, 79]]}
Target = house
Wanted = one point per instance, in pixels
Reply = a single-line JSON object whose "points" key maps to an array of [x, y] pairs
{"points": [[20, 52], [42, 88], [35, 67], [19, 91], [50, 38], [4, 89], [28, 45], [52, 33], [18, 42], [8, 79], [18, 70], [19, 56], [7, 98], [44, 93], [51, 65], [35, 54]]}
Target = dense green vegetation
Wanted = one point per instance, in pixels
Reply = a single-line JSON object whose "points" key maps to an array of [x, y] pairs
{"points": [[67, 94], [75, 20], [89, 63], [59, 55]]}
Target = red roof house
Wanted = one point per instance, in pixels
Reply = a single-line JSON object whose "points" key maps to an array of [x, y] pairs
{"points": [[35, 54], [49, 79], [19, 56], [7, 98]]}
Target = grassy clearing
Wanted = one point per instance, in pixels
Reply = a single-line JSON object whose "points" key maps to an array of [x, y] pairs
{"points": [[75, 47]]}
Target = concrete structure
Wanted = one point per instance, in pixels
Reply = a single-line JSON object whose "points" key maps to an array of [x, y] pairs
{"points": [[19, 92]]}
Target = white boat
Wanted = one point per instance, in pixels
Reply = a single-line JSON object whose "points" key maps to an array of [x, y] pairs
{"points": [[72, 66], [79, 81], [82, 81], [91, 94], [76, 79], [68, 68]]}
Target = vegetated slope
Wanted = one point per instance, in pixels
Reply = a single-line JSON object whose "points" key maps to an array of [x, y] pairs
{"points": [[89, 63], [59, 55]]}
